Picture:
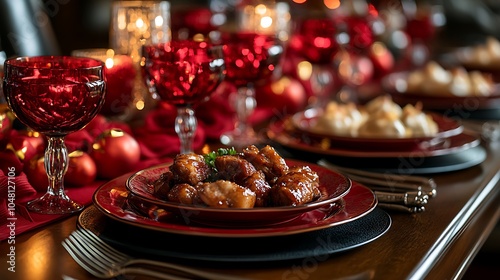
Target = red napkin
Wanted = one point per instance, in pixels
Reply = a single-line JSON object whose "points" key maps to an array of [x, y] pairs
{"points": [[15, 216], [13, 190], [216, 116], [157, 137]]}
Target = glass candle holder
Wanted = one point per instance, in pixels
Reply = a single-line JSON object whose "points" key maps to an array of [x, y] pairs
{"points": [[120, 73], [134, 24]]}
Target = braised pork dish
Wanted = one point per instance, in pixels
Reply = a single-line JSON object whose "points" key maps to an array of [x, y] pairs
{"points": [[227, 179]]}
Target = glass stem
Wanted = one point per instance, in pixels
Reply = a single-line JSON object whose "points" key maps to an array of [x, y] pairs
{"points": [[245, 105], [185, 126], [56, 165]]}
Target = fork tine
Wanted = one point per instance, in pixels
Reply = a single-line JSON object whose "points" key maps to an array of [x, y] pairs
{"points": [[89, 265], [100, 248], [75, 253], [93, 257], [96, 256], [99, 243]]}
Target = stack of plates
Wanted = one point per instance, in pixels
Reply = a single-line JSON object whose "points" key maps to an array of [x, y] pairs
{"points": [[344, 218], [450, 149]]}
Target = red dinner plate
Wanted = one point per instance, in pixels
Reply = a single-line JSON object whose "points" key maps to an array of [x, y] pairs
{"points": [[334, 186], [112, 200], [305, 121]]}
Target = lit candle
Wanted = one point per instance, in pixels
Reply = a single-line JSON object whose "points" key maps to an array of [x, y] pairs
{"points": [[120, 76]]}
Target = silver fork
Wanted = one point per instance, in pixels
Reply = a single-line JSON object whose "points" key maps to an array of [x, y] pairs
{"points": [[407, 193], [104, 261]]}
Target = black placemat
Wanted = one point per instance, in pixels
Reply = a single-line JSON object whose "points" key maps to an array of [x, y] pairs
{"points": [[160, 245]]}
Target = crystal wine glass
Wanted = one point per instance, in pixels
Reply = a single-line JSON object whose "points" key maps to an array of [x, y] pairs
{"points": [[183, 73], [253, 52], [315, 39], [250, 58], [55, 96]]}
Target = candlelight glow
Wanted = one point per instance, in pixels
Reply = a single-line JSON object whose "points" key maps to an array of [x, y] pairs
{"points": [[304, 70], [139, 105], [332, 4], [139, 23], [266, 22], [158, 21], [122, 20], [109, 63], [261, 9]]}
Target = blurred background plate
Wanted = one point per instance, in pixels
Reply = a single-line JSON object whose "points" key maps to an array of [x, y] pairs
{"points": [[305, 121], [469, 107], [456, 153]]}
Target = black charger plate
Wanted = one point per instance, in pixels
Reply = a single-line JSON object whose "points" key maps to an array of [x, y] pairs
{"points": [[167, 246]]}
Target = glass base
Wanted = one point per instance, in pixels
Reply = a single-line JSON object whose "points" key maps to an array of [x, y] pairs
{"points": [[54, 204], [240, 139]]}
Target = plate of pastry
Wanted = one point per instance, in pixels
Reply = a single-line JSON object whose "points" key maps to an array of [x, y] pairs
{"points": [[484, 57], [455, 91], [379, 124]]}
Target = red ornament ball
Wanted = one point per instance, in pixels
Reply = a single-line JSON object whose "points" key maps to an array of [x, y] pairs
{"points": [[36, 174], [286, 95], [82, 169], [115, 153]]}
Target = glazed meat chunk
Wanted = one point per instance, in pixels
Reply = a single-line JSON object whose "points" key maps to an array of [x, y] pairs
{"points": [[267, 160], [234, 168], [190, 169], [162, 185], [297, 187], [226, 194], [258, 184], [184, 193], [243, 173]]}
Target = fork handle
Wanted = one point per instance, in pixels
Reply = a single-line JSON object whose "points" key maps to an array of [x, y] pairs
{"points": [[204, 274]]}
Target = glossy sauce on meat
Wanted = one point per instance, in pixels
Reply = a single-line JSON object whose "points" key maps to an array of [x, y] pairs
{"points": [[243, 173], [184, 194], [253, 178], [298, 186], [190, 169], [226, 194], [267, 160]]}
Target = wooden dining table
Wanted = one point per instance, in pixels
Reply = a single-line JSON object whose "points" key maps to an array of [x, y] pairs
{"points": [[438, 243]]}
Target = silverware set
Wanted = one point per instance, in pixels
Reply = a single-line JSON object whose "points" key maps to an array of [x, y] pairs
{"points": [[103, 261], [406, 193]]}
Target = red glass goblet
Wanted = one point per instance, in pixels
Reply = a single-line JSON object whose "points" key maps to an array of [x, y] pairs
{"points": [[183, 73], [55, 96], [250, 58], [315, 39]]}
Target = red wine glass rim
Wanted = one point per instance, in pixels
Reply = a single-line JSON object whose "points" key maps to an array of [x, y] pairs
{"points": [[54, 62]]}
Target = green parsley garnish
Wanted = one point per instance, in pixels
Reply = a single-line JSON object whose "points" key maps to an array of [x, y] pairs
{"points": [[210, 157]]}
